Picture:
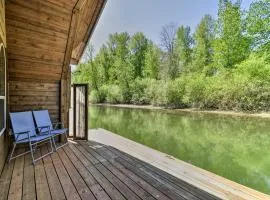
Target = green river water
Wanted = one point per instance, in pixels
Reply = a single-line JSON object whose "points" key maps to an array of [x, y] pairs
{"points": [[237, 148]]}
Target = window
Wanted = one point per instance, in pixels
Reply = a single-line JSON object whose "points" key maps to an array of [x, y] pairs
{"points": [[2, 89]]}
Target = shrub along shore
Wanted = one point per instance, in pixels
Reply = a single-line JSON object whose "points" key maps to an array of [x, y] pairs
{"points": [[223, 65]]}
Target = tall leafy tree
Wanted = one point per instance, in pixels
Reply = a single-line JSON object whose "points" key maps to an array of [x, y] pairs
{"points": [[122, 67], [152, 61], [184, 43], [104, 62], [231, 46], [119, 55], [89, 71], [258, 24], [203, 38], [138, 46]]}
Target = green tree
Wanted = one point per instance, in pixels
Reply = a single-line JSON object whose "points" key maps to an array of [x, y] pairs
{"points": [[122, 68], [152, 61], [118, 54], [258, 24], [138, 46], [230, 46], [203, 38], [104, 62], [88, 72], [184, 42]]}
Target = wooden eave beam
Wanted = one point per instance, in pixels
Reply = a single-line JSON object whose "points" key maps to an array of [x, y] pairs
{"points": [[66, 74], [72, 34], [96, 16]]}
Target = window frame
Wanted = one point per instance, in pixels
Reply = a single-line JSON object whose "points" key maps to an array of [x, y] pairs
{"points": [[2, 46]]}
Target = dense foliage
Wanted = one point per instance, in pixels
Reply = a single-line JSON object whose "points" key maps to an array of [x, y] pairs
{"points": [[224, 64]]}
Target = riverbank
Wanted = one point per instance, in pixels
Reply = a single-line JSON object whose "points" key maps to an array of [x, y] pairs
{"points": [[190, 110]]}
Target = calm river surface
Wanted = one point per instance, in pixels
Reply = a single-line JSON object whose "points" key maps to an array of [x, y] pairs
{"points": [[237, 148]]}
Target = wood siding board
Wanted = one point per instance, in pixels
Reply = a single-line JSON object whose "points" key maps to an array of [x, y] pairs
{"points": [[65, 4], [37, 15], [14, 22], [42, 41], [12, 56], [47, 7], [37, 53], [34, 96]]}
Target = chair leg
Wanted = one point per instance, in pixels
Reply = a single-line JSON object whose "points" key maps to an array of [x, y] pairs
{"points": [[12, 151], [32, 153], [51, 145], [11, 157], [35, 146], [60, 146], [53, 141], [39, 158]]}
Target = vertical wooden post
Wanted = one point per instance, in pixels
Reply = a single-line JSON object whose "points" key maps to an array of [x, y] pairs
{"points": [[86, 111], [77, 112], [74, 112]]}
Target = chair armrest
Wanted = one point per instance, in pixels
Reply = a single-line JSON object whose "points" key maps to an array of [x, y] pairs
{"points": [[26, 131], [56, 124], [39, 129]]}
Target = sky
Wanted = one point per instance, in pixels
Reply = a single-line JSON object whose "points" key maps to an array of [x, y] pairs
{"points": [[148, 16]]}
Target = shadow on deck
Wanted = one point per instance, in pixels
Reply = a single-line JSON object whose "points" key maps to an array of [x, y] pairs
{"points": [[88, 170]]}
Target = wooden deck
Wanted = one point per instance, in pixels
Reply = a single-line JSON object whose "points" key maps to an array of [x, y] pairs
{"points": [[88, 170]]}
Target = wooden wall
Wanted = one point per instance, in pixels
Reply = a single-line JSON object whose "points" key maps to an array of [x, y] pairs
{"points": [[3, 137], [37, 33], [42, 35]]}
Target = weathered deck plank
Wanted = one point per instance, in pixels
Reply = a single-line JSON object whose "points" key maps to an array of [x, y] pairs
{"points": [[42, 187], [88, 170], [16, 185], [77, 180], [109, 188], [97, 190], [56, 189], [29, 188], [5, 180], [68, 187], [162, 176]]}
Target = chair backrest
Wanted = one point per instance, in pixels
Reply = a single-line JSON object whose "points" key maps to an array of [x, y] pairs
{"points": [[42, 118], [22, 121]]}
